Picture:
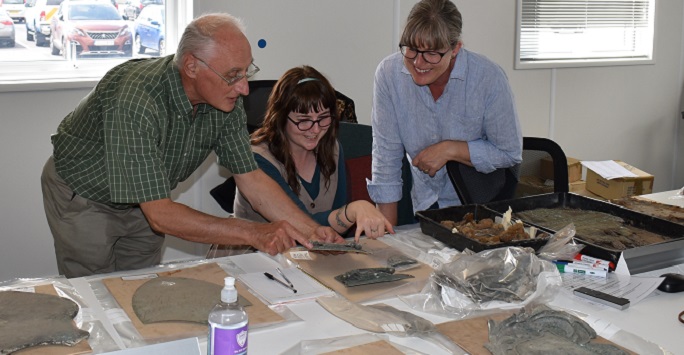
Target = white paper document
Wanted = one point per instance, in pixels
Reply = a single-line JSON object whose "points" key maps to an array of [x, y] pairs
{"points": [[255, 262], [633, 288], [608, 169], [274, 292]]}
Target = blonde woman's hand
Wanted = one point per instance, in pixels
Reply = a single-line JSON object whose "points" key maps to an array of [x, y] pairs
{"points": [[368, 219]]}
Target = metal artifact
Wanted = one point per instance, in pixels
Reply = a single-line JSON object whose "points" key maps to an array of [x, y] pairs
{"points": [[351, 247], [399, 261], [545, 331], [30, 319], [366, 276], [505, 274]]}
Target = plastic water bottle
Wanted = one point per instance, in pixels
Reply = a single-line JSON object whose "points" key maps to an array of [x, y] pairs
{"points": [[228, 324]]}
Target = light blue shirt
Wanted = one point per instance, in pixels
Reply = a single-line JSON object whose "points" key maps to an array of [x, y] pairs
{"points": [[477, 106]]}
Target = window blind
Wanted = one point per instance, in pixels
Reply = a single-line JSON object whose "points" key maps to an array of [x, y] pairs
{"points": [[579, 30]]}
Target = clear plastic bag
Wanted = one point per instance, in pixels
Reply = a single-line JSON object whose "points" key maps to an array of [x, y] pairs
{"points": [[487, 282], [561, 245], [125, 328], [99, 339], [382, 318], [324, 346]]}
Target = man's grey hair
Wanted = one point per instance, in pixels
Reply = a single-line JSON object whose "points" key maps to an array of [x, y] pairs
{"points": [[200, 33]]}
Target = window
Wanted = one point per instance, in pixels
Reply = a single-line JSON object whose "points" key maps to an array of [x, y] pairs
{"points": [[571, 33], [83, 55]]}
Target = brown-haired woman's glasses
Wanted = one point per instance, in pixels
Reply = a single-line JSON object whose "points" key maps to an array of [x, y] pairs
{"points": [[305, 125]]}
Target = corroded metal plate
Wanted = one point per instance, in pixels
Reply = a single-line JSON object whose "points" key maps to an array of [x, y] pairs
{"points": [[369, 276]]}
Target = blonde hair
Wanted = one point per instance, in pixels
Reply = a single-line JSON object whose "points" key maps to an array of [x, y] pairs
{"points": [[433, 24]]}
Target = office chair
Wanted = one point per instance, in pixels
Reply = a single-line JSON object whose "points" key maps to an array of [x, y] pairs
{"points": [[534, 150], [255, 103], [502, 184], [357, 143], [473, 186]]}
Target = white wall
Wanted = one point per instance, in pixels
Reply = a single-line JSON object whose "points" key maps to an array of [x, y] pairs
{"points": [[629, 113]]}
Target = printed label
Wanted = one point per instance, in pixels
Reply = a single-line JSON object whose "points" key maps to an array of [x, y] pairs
{"points": [[300, 255], [228, 341]]}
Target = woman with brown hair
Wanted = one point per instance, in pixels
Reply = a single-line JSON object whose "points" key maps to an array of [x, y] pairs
{"points": [[297, 146]]}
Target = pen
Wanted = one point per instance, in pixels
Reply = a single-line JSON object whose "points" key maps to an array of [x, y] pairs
{"points": [[280, 282], [285, 277]]}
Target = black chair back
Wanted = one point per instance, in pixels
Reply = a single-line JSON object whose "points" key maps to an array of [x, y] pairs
{"points": [[473, 186], [534, 150], [255, 103]]}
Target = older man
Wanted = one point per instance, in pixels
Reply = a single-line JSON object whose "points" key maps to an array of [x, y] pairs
{"points": [[146, 126]]}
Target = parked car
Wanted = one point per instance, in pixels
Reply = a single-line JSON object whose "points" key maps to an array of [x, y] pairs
{"points": [[6, 29], [133, 7], [91, 28], [149, 30], [15, 9], [38, 15]]}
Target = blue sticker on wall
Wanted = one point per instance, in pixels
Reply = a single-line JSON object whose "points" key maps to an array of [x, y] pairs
{"points": [[261, 43]]}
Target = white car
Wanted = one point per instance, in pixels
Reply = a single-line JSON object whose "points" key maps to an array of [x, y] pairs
{"points": [[38, 14], [15, 9]]}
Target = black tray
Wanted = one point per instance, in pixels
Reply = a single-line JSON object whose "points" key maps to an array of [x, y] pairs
{"points": [[429, 225], [674, 248]]}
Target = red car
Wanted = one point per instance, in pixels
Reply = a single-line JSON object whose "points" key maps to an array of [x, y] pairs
{"points": [[90, 28]]}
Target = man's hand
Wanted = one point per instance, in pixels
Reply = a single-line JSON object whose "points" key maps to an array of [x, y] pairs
{"points": [[277, 237], [269, 199], [327, 235]]}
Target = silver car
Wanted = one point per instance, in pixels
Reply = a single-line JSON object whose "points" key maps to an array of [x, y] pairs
{"points": [[6, 29]]}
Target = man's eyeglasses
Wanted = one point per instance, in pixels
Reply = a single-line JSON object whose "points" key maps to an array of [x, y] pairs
{"points": [[305, 125], [251, 70], [432, 57]]}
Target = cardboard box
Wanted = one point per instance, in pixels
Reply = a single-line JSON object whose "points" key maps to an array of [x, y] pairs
{"points": [[620, 187], [574, 169], [580, 188]]}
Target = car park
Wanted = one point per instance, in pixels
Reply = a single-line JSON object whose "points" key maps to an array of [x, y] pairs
{"points": [[38, 14], [90, 28], [15, 9], [134, 7], [149, 30], [7, 32]]}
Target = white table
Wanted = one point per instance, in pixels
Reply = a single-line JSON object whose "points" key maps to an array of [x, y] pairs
{"points": [[667, 197], [653, 319]]}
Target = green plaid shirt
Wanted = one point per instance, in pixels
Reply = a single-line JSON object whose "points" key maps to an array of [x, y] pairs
{"points": [[134, 137]]}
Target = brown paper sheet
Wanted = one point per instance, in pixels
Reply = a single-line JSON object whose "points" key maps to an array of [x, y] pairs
{"points": [[123, 291], [377, 347], [324, 268], [472, 334], [81, 347]]}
